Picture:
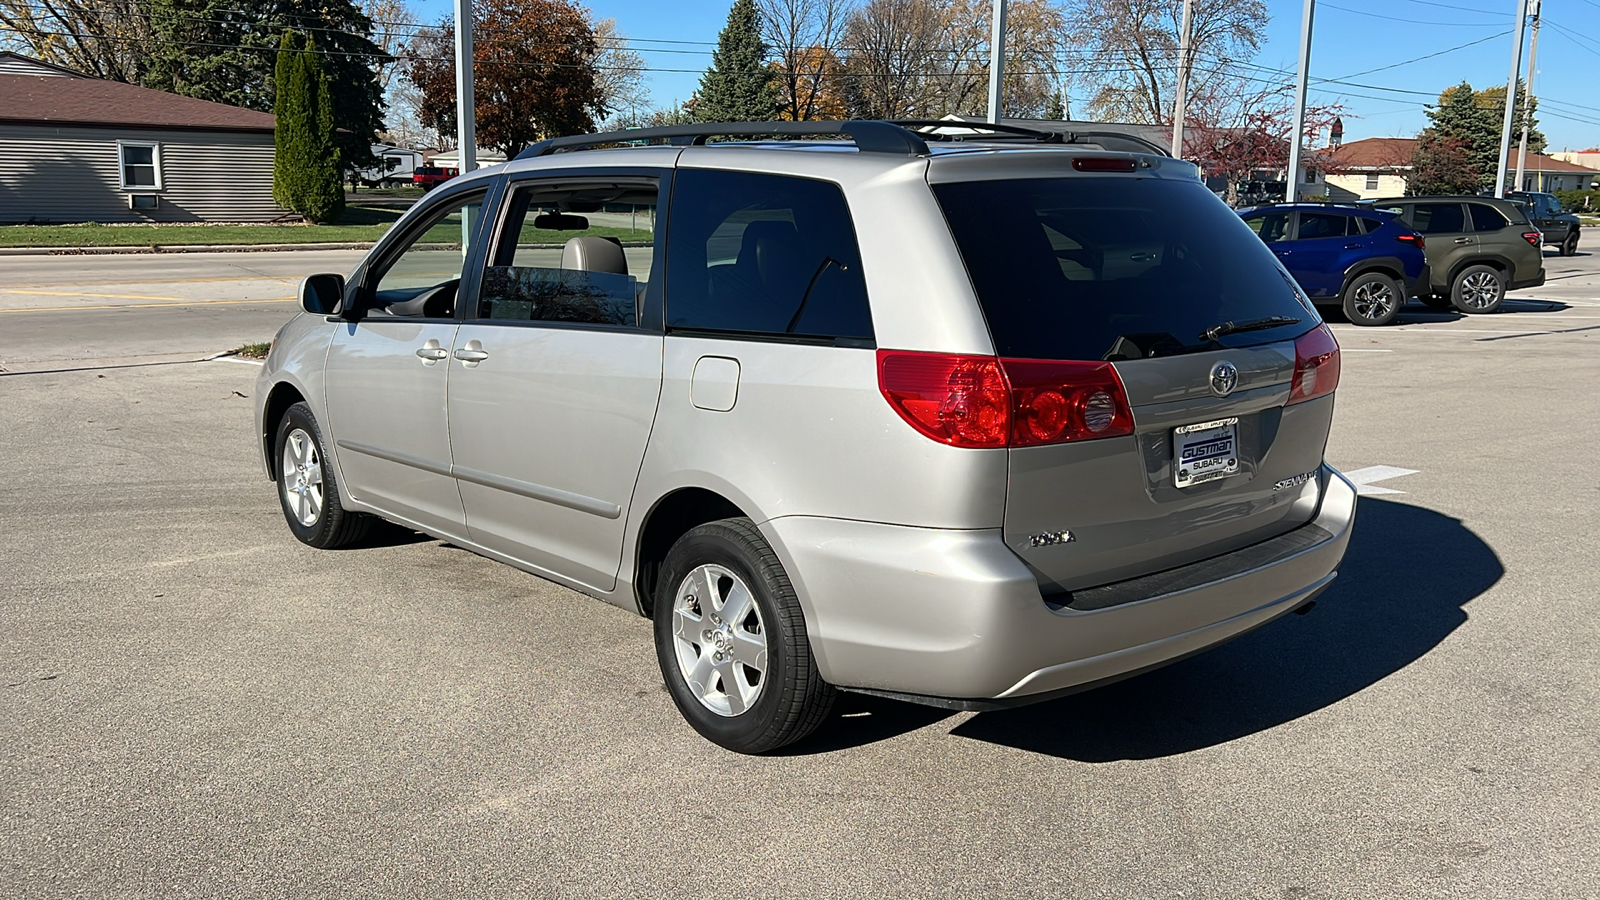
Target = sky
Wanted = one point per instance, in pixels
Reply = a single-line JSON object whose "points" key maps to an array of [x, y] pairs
{"points": [[1376, 46]]}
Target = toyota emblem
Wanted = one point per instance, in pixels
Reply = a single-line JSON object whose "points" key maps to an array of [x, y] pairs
{"points": [[1224, 378]]}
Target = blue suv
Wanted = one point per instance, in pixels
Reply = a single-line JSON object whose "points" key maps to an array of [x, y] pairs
{"points": [[1365, 260]]}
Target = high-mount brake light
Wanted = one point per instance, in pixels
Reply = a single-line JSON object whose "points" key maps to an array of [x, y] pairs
{"points": [[1104, 164], [1316, 365], [1532, 237], [981, 401], [1413, 239]]}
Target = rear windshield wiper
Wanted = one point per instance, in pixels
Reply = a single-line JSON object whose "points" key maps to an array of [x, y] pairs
{"points": [[1216, 331]]}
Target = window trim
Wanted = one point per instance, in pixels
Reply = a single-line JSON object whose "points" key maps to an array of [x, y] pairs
{"points": [[155, 163]]}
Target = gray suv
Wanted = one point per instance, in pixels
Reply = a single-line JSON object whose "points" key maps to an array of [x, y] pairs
{"points": [[970, 421], [1478, 248]]}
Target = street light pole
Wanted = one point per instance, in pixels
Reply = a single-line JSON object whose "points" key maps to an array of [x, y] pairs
{"points": [[466, 132], [1527, 100], [1511, 93], [997, 60], [1185, 59], [1297, 131]]}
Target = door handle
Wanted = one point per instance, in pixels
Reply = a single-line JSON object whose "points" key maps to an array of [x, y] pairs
{"points": [[431, 352], [1352, 246], [1463, 240], [469, 355]]}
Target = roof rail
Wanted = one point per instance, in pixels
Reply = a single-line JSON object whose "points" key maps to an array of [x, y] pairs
{"points": [[1107, 139], [868, 136]]}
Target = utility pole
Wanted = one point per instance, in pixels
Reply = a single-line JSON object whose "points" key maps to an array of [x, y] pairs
{"points": [[466, 130], [1527, 100], [1185, 60], [997, 60], [1511, 93], [1297, 131]]}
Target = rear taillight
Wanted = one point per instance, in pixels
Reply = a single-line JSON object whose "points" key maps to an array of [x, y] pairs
{"points": [[1316, 365], [1413, 239], [1053, 402], [1532, 237], [981, 401]]}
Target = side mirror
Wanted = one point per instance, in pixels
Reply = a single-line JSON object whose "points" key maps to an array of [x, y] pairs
{"points": [[320, 295]]}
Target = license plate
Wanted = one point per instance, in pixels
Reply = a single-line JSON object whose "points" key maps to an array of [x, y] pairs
{"points": [[1205, 451]]}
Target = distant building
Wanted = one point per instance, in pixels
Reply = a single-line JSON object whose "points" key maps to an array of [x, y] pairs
{"points": [[81, 149], [1381, 167]]}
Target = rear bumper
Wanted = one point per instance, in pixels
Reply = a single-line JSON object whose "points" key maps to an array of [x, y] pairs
{"points": [[1421, 284], [1536, 281], [956, 618]]}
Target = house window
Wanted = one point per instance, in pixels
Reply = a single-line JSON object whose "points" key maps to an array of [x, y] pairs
{"points": [[1311, 176], [1372, 182], [141, 165]]}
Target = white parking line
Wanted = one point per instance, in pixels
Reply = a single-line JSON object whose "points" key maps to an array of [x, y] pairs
{"points": [[1363, 478]]}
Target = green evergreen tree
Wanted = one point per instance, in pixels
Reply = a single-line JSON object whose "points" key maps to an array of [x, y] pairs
{"points": [[739, 86], [306, 176], [1461, 118], [226, 51]]}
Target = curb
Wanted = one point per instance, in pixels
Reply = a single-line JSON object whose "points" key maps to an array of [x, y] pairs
{"points": [[181, 248]]}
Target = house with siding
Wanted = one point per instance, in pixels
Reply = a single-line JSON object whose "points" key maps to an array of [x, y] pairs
{"points": [[81, 149], [1381, 167]]}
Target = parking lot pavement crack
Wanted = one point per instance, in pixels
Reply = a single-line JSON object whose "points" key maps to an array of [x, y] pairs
{"points": [[1507, 337]]}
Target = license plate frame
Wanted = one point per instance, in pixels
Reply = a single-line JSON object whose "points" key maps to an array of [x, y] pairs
{"points": [[1205, 451]]}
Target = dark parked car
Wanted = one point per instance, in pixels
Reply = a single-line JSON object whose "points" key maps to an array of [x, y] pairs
{"points": [[1478, 248], [1558, 226], [1364, 260]]}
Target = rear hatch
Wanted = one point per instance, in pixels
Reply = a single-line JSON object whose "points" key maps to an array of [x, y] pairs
{"points": [[1145, 274]]}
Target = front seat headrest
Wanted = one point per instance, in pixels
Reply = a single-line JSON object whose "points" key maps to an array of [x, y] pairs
{"points": [[594, 254]]}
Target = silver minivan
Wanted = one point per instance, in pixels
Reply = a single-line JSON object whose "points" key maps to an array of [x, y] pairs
{"points": [[968, 420]]}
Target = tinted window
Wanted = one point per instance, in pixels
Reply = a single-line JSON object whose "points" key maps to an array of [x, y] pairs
{"points": [[552, 264], [1438, 218], [763, 254], [1114, 268], [1321, 225], [1270, 226], [1486, 218], [1367, 226]]}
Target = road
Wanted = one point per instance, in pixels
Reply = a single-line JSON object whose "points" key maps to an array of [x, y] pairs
{"points": [[194, 704]]}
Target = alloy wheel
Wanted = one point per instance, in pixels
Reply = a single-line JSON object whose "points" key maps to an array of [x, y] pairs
{"points": [[719, 640], [1374, 300], [1480, 290], [301, 476]]}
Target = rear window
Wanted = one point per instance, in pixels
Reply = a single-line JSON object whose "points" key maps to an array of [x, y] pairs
{"points": [[1114, 268]]}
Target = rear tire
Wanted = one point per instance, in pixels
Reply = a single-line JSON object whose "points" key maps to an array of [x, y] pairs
{"points": [[307, 489], [1478, 289], [731, 641], [1372, 298], [1569, 247]]}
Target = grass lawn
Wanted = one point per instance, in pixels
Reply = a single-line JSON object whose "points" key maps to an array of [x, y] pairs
{"points": [[359, 224]]}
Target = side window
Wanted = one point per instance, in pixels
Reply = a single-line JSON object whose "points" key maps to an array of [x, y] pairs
{"points": [[1438, 218], [764, 254], [1321, 225], [1365, 225], [422, 281], [1270, 226], [1486, 218], [578, 251]]}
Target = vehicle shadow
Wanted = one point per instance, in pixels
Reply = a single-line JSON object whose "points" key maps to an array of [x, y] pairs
{"points": [[1415, 311], [1400, 592]]}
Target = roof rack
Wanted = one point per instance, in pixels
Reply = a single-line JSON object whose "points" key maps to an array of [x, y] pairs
{"points": [[868, 136], [1107, 139]]}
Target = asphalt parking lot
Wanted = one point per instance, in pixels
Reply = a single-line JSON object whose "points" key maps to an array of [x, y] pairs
{"points": [[194, 704]]}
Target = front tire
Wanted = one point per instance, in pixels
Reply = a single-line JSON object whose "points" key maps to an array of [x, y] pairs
{"points": [[1372, 298], [731, 641], [1569, 247], [1478, 289], [307, 489]]}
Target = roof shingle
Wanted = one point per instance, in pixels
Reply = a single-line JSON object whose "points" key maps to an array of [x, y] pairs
{"points": [[42, 99]]}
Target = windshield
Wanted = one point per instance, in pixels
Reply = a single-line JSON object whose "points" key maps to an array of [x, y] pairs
{"points": [[1116, 268]]}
